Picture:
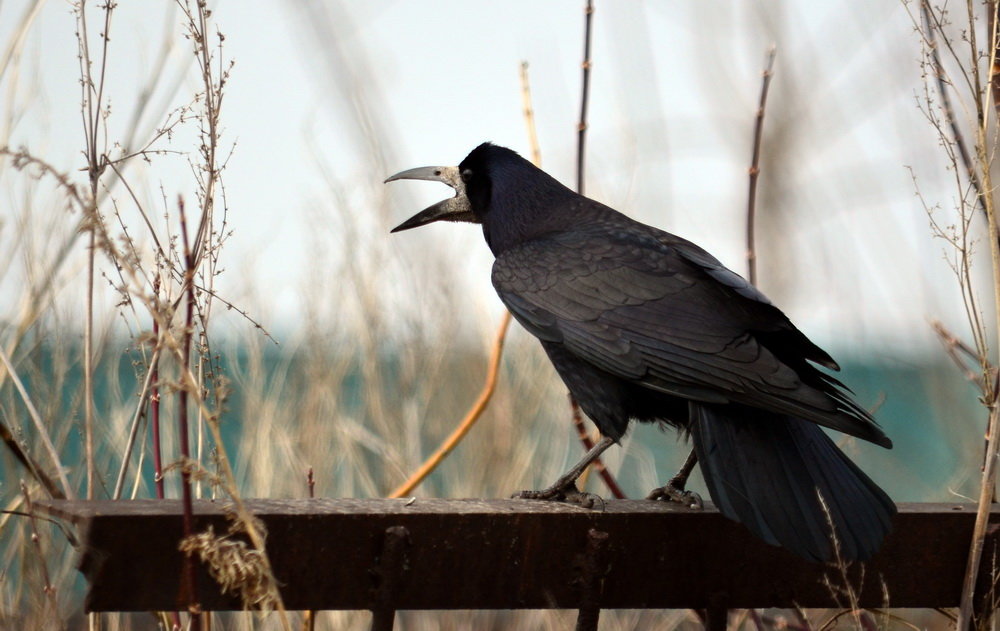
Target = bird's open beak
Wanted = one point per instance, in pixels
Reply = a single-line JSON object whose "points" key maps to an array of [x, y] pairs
{"points": [[456, 208]]}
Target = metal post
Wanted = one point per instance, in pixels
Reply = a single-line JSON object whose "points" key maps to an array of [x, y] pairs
{"points": [[592, 572], [387, 576]]}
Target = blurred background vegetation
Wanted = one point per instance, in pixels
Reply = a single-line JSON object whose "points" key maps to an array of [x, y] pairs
{"points": [[322, 342]]}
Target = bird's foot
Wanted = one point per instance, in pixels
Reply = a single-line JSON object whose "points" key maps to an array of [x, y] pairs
{"points": [[569, 494], [671, 493]]}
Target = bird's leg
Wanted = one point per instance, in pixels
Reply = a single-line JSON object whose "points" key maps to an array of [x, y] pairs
{"points": [[674, 489], [564, 489]]}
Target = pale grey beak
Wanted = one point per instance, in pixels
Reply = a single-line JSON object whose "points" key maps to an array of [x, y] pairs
{"points": [[456, 208]]}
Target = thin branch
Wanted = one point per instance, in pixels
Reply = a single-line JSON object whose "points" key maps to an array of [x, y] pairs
{"points": [[34, 468], [88, 367], [50, 590], [230, 306], [580, 176], [142, 211], [93, 117], [758, 134], [67, 531], [134, 428], [581, 128], [953, 346]]}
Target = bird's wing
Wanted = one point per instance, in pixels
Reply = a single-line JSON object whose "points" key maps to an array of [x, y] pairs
{"points": [[655, 309]]}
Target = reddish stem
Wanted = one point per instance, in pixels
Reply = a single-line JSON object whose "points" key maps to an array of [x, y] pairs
{"points": [[182, 421]]}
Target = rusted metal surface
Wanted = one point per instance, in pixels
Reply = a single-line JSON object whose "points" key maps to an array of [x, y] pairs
{"points": [[510, 554]]}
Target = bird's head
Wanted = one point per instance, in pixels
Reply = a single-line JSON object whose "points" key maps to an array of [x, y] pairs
{"points": [[473, 181]]}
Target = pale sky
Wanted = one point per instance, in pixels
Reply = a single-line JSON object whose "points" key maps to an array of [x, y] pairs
{"points": [[318, 89]]}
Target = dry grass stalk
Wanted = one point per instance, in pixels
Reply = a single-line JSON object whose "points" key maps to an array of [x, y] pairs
{"points": [[240, 570], [843, 589], [48, 588], [968, 57]]}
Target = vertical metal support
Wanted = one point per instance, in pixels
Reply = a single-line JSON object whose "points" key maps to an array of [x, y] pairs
{"points": [[594, 568], [387, 576], [716, 616]]}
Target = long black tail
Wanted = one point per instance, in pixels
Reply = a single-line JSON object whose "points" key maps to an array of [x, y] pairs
{"points": [[767, 471]]}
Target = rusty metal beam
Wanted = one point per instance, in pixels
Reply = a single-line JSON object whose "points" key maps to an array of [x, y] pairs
{"points": [[512, 554]]}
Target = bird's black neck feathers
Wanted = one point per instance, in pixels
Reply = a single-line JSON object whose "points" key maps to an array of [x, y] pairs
{"points": [[512, 198]]}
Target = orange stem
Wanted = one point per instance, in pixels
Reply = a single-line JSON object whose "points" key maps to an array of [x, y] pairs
{"points": [[470, 418]]}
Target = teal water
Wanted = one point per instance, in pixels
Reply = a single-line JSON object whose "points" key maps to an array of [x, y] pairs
{"points": [[928, 410]]}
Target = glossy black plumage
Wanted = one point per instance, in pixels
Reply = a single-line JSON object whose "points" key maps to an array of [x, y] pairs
{"points": [[643, 325]]}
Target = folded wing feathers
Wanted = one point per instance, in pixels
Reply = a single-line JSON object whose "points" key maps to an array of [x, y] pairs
{"points": [[654, 320]]}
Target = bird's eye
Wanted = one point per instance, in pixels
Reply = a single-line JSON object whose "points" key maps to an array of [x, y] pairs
{"points": [[466, 175]]}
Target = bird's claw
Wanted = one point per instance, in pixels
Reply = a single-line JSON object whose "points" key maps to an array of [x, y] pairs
{"points": [[569, 494], [669, 492]]}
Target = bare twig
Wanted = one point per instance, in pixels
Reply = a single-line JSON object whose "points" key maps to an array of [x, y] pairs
{"points": [[580, 176], [588, 444], [243, 313], [931, 25], [36, 418], [200, 257], [93, 122], [50, 590], [581, 128], [758, 134], [309, 617], [35, 469], [134, 427], [994, 68]]}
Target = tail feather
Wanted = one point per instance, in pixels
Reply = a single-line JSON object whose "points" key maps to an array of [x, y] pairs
{"points": [[768, 472]]}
